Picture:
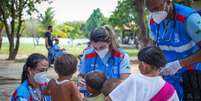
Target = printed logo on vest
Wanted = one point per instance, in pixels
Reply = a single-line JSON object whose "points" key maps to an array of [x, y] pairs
{"points": [[176, 38]]}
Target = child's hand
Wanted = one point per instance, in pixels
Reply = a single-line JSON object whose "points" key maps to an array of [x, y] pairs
{"points": [[81, 82]]}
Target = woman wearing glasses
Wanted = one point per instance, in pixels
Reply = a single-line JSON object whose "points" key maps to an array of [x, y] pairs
{"points": [[33, 80]]}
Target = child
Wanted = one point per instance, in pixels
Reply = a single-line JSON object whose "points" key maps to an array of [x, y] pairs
{"points": [[109, 85], [149, 85], [62, 89], [94, 82], [56, 51]]}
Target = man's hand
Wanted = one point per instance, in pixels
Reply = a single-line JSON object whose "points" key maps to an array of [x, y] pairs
{"points": [[171, 68]]}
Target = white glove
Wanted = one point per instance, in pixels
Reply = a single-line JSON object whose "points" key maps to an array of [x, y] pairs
{"points": [[171, 68]]}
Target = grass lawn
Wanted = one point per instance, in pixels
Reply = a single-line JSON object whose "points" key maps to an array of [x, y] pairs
{"points": [[27, 49]]}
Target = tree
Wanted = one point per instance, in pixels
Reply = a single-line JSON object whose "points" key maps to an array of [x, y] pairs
{"points": [[73, 29], [12, 12], [144, 39], [127, 18], [96, 19], [1, 30], [48, 18], [141, 16]]}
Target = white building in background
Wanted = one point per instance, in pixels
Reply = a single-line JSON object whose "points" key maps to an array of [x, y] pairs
{"points": [[62, 41]]}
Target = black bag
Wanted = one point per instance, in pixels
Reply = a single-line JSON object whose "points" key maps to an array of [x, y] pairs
{"points": [[192, 85]]}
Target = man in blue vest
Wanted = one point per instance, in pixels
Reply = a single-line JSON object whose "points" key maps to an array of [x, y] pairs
{"points": [[176, 29]]}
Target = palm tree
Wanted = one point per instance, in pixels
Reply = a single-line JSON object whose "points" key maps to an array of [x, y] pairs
{"points": [[48, 18]]}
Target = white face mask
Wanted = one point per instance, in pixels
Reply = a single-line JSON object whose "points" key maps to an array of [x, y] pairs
{"points": [[159, 16], [41, 78], [102, 53]]}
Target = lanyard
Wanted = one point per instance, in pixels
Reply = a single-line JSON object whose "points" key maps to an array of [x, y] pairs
{"points": [[165, 29], [36, 94]]}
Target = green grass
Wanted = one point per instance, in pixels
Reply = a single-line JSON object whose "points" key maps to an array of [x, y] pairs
{"points": [[131, 51], [27, 49], [24, 49]]}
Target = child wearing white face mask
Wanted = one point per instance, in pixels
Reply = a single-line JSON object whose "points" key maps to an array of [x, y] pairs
{"points": [[33, 77]]}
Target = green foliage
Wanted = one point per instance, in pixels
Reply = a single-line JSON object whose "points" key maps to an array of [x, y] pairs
{"points": [[96, 19], [59, 33], [71, 30], [47, 18], [124, 16], [30, 27], [11, 14]]}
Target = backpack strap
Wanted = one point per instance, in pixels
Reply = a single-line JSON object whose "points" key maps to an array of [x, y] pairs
{"points": [[165, 93]]}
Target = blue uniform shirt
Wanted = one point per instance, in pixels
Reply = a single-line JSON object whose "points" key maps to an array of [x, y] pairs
{"points": [[113, 65], [26, 93], [193, 27], [178, 39]]}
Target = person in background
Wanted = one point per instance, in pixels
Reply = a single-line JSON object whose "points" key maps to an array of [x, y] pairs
{"points": [[34, 71], [176, 30], [56, 51], [49, 43]]}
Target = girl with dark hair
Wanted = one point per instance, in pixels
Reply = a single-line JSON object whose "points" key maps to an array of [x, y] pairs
{"points": [[33, 79], [148, 85], [104, 56]]}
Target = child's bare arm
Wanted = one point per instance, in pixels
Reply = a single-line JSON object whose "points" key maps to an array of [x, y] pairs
{"points": [[76, 94]]}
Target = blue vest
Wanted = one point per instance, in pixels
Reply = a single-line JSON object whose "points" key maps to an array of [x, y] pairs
{"points": [[92, 62], [23, 91], [175, 42]]}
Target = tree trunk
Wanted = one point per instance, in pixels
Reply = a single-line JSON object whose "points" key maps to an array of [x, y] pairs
{"points": [[1, 39], [143, 36], [122, 37], [11, 50]]}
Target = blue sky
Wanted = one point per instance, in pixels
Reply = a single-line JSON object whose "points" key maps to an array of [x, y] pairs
{"points": [[73, 10]]}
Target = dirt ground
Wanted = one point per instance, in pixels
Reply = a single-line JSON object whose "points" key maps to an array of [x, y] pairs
{"points": [[10, 73]]}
